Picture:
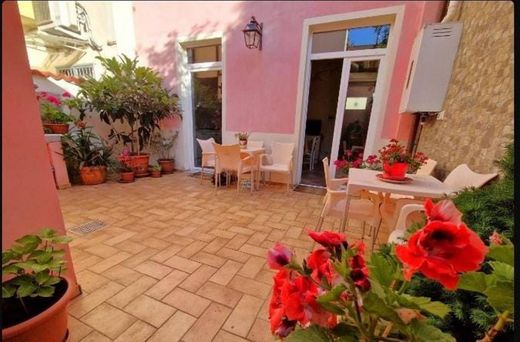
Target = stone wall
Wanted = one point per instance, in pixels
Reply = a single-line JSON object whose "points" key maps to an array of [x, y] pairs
{"points": [[478, 120]]}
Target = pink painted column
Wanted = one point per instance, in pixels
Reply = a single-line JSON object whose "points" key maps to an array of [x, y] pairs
{"points": [[55, 151], [29, 196]]}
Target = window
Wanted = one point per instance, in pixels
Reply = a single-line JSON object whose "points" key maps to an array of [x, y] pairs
{"points": [[357, 38], [203, 54], [79, 71]]}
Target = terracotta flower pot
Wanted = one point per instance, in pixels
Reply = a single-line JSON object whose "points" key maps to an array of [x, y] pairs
{"points": [[155, 173], [167, 165], [140, 164], [50, 325], [127, 177], [395, 171], [92, 175], [57, 128]]}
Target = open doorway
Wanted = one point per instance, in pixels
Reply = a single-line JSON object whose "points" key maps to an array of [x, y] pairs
{"points": [[321, 116]]}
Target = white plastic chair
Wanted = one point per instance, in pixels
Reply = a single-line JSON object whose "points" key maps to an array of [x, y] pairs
{"points": [[459, 178], [365, 209], [229, 160], [311, 153], [208, 154], [397, 235], [255, 143], [280, 160], [427, 169]]}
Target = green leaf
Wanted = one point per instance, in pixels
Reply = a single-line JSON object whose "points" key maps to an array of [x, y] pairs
{"points": [[35, 267], [8, 291], [26, 289], [8, 256], [313, 333], [45, 291], [332, 295], [502, 253], [501, 296], [429, 333], [372, 303], [502, 271], [47, 233], [332, 308], [42, 277], [29, 240], [437, 308], [10, 269], [44, 257], [378, 289], [52, 281], [382, 269], [473, 281]]}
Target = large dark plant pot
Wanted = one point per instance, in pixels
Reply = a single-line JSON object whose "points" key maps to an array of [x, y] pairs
{"points": [[167, 165], [395, 171], [140, 164], [49, 325], [57, 128], [92, 175]]}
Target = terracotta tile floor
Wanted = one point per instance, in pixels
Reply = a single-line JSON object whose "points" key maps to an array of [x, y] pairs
{"points": [[179, 261]]}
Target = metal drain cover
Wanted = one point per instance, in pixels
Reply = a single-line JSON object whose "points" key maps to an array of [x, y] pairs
{"points": [[88, 227]]}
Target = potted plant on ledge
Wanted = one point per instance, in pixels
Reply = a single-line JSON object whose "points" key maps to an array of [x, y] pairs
{"points": [[126, 173], [84, 151], [53, 118], [242, 138], [35, 293], [132, 100], [155, 171]]}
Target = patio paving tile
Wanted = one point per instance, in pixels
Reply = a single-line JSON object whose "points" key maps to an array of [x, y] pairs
{"points": [[208, 325], [243, 316], [109, 320], [187, 302], [149, 310], [174, 328], [180, 261], [138, 332]]}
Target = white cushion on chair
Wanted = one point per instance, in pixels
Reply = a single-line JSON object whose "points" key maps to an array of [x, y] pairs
{"points": [[275, 168], [207, 145]]}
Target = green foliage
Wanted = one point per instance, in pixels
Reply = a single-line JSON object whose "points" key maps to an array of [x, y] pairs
{"points": [[51, 114], [162, 143], [82, 147], [33, 265], [132, 95]]}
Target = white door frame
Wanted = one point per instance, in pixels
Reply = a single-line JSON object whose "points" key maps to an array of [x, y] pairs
{"points": [[340, 21], [184, 74]]}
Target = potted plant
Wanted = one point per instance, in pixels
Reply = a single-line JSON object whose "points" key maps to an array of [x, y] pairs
{"points": [[126, 173], [162, 143], [35, 293], [397, 161], [242, 138], [54, 119], [155, 171], [84, 151], [131, 95]]}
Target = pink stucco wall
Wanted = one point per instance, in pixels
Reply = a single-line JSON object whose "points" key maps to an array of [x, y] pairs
{"points": [[261, 86], [29, 196]]}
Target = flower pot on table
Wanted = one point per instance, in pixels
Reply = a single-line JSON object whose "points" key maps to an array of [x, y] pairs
{"points": [[395, 171]]}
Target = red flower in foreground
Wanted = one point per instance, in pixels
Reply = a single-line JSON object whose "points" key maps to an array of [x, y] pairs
{"points": [[359, 270], [278, 256], [440, 251], [328, 239], [280, 325], [319, 262], [443, 210]]}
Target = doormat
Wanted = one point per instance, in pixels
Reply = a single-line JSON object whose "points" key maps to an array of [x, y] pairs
{"points": [[89, 227], [311, 190]]}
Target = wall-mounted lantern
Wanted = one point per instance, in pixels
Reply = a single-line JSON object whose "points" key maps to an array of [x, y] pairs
{"points": [[253, 34]]}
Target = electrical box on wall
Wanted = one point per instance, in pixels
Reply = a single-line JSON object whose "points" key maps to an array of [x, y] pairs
{"points": [[431, 64]]}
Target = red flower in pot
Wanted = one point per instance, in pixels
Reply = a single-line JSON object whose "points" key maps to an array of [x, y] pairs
{"points": [[397, 161]]}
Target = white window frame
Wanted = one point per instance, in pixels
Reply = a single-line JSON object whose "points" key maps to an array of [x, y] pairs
{"points": [[185, 71]]}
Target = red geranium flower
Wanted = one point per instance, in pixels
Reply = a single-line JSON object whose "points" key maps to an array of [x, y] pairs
{"points": [[359, 271], [278, 256], [280, 325], [328, 239], [320, 264], [66, 94], [440, 251], [443, 210]]}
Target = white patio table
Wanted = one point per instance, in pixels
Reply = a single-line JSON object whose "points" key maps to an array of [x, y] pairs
{"points": [[420, 186]]}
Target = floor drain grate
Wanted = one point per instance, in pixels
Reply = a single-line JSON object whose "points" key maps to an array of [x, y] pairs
{"points": [[88, 227]]}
